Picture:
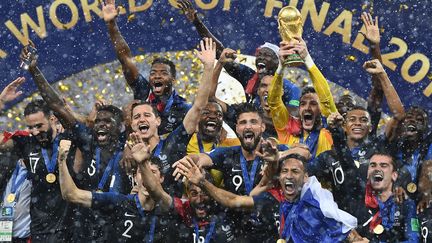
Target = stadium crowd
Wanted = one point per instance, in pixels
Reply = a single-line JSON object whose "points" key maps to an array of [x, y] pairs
{"points": [[305, 166]]}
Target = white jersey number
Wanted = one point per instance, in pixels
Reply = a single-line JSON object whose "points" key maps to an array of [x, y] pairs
{"points": [[129, 224], [92, 169]]}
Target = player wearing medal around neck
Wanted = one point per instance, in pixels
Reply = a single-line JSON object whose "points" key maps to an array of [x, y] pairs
{"points": [[50, 214], [241, 167], [315, 102], [146, 121], [96, 150], [136, 217], [353, 137], [307, 212], [380, 217], [158, 90], [413, 146]]}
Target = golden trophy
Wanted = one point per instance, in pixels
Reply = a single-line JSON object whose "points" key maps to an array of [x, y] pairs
{"points": [[290, 26]]}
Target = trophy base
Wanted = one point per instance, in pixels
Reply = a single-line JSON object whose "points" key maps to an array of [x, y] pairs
{"points": [[293, 60]]}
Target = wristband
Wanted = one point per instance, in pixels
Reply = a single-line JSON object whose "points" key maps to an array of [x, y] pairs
{"points": [[309, 62]]}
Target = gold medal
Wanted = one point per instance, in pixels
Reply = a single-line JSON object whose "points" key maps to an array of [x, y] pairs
{"points": [[411, 187], [379, 229], [50, 178], [10, 198], [281, 241]]}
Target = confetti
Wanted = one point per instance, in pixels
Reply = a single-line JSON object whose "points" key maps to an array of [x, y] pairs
{"points": [[351, 58], [107, 81], [131, 18], [403, 7]]}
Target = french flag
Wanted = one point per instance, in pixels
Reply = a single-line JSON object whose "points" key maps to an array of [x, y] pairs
{"points": [[315, 217]]}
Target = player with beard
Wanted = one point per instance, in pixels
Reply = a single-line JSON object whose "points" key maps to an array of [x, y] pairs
{"points": [[240, 166], [307, 212], [266, 63], [380, 218], [136, 216], [210, 132], [50, 214], [195, 218], [146, 121], [158, 90], [95, 154], [314, 101], [353, 137], [412, 146], [230, 111]]}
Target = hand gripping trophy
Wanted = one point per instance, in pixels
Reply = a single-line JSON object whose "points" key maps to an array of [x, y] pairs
{"points": [[290, 26]]}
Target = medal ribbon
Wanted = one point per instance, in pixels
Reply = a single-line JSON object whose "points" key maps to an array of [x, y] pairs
{"points": [[153, 219], [209, 233], [201, 146], [161, 107], [372, 202], [311, 142], [287, 212], [111, 164], [158, 149], [16, 184], [169, 102], [51, 163], [248, 178], [413, 166], [387, 212]]}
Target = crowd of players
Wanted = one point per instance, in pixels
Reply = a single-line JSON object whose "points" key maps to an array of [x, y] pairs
{"points": [[303, 168]]}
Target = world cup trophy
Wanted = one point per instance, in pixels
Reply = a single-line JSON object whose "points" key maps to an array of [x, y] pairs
{"points": [[290, 26]]}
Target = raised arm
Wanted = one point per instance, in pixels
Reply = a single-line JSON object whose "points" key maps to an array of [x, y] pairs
{"points": [[122, 49], [238, 71], [278, 111], [191, 171], [141, 154], [319, 82], [227, 55], [376, 69], [54, 101], [376, 95], [9, 93], [202, 160], [192, 15], [207, 56], [70, 192]]}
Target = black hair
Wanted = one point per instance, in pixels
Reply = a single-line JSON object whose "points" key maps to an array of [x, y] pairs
{"points": [[158, 162], [166, 62], [118, 114], [36, 106], [248, 107], [307, 90], [214, 100], [412, 108], [298, 157], [357, 107], [154, 109], [385, 150]]}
